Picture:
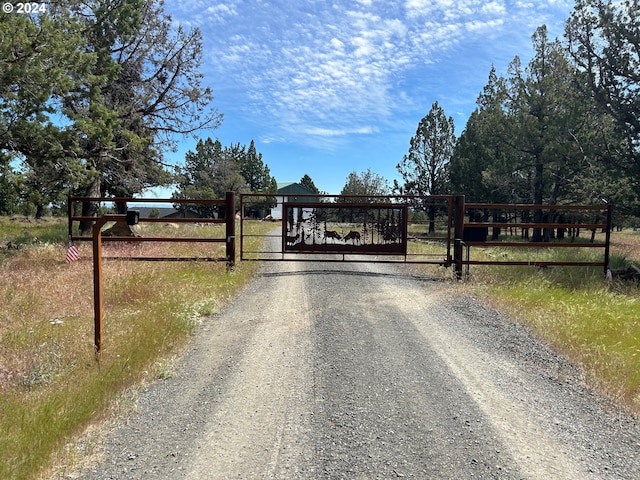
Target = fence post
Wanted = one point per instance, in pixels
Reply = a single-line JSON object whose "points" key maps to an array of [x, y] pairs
{"points": [[608, 238], [97, 285], [230, 217], [458, 227], [69, 216]]}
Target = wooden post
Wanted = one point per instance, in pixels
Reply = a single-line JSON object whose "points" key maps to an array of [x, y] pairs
{"points": [[230, 217], [458, 228], [97, 285]]}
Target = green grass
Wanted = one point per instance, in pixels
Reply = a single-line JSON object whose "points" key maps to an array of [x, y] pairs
{"points": [[52, 388], [23, 231], [595, 326], [594, 323], [18, 233]]}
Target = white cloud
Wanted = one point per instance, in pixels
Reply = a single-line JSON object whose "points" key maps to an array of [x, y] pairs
{"points": [[446, 9], [222, 10], [333, 71], [337, 44], [486, 26], [494, 8], [202, 13], [362, 46], [334, 132]]}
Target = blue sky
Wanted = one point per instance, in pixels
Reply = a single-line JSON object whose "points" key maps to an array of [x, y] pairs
{"points": [[326, 88]]}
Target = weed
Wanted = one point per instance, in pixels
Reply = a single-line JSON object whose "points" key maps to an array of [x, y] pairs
{"points": [[51, 388]]}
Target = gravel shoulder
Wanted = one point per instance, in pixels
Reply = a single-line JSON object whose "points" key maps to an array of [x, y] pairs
{"points": [[365, 371]]}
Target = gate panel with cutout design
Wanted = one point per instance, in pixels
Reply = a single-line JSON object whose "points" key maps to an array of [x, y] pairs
{"points": [[329, 228], [345, 228]]}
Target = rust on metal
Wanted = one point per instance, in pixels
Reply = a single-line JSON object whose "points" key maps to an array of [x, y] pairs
{"points": [[97, 239], [97, 287], [347, 228], [228, 204], [557, 221]]}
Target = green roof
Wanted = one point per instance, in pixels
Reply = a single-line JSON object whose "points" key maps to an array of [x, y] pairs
{"points": [[292, 188]]}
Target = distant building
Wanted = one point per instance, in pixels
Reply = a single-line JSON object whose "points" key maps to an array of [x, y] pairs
{"points": [[290, 192]]}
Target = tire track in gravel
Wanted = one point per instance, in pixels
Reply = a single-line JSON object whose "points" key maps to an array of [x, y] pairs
{"points": [[260, 417], [389, 406], [538, 454]]}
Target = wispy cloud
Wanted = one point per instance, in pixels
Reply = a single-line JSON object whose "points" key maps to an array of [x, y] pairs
{"points": [[319, 70]]}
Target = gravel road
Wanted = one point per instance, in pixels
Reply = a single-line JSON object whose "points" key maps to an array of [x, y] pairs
{"points": [[366, 371]]}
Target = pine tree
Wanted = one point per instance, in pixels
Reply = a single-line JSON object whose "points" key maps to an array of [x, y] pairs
{"points": [[425, 168], [307, 182]]}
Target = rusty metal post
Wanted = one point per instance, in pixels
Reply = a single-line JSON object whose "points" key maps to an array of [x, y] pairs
{"points": [[230, 217], [69, 216], [608, 238], [449, 230], [458, 229], [97, 285]]}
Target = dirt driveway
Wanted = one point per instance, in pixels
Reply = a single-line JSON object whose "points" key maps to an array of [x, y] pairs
{"points": [[343, 371]]}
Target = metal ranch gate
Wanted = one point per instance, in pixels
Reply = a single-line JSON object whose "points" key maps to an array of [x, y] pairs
{"points": [[439, 229], [348, 228], [339, 228]]}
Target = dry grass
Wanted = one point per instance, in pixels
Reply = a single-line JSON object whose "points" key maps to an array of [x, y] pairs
{"points": [[626, 244], [51, 387]]}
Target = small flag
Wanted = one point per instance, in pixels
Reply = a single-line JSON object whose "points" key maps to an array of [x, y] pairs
{"points": [[73, 253]]}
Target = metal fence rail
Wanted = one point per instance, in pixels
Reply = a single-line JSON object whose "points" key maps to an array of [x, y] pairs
{"points": [[227, 205], [386, 229], [562, 221]]}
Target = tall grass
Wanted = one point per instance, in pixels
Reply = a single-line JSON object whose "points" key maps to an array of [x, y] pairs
{"points": [[51, 386], [593, 322]]}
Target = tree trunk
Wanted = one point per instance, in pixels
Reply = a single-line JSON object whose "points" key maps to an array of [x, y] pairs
{"points": [[432, 219], [121, 208], [525, 217], [90, 209], [39, 211], [495, 231]]}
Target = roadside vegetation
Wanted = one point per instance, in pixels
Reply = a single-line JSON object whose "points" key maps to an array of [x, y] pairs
{"points": [[562, 129], [593, 322], [51, 386]]}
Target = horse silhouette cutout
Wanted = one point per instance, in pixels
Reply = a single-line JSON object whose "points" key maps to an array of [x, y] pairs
{"points": [[331, 234], [353, 236]]}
